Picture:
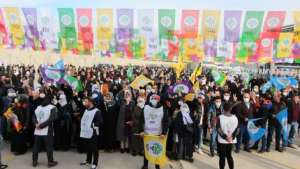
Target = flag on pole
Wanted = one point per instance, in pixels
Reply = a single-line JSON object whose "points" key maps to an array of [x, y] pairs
{"points": [[155, 149], [140, 81], [74, 83], [197, 72], [282, 118], [255, 133], [166, 25], [67, 28], [265, 87], [283, 82], [219, 77]]}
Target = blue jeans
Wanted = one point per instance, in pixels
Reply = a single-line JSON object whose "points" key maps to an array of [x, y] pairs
{"points": [[243, 137], [213, 140], [292, 130]]}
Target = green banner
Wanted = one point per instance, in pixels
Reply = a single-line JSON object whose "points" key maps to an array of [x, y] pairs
{"points": [[166, 25], [252, 26], [68, 34]]}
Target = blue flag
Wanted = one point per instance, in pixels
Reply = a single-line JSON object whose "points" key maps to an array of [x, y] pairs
{"points": [[283, 82], [282, 117], [265, 87], [57, 66], [255, 133]]}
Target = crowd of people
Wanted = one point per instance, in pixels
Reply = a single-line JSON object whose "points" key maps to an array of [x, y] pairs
{"points": [[109, 114]]}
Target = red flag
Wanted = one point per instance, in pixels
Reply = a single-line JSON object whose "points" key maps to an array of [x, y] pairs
{"points": [[85, 29], [273, 23], [190, 23], [3, 30], [265, 47]]}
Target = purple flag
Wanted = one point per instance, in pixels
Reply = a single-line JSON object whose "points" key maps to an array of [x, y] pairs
{"points": [[51, 75], [210, 47], [232, 21], [184, 87], [31, 29], [29, 38], [125, 23]]}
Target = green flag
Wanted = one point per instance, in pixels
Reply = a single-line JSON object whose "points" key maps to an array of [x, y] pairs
{"points": [[130, 73], [219, 77], [67, 27], [252, 26], [74, 83], [166, 25]]}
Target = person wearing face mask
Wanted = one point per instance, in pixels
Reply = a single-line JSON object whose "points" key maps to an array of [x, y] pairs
{"points": [[185, 130], [91, 122], [110, 122], [153, 121], [124, 124], [226, 98], [277, 106], [44, 116], [214, 111], [244, 111], [137, 142], [62, 125], [198, 116]]}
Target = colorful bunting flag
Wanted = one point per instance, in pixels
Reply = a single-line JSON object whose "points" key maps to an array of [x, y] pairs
{"points": [[284, 45], [273, 23], [68, 35], [252, 26], [85, 29], [125, 23], [189, 23], [15, 26], [104, 28], [232, 21], [166, 25], [31, 30], [4, 38]]}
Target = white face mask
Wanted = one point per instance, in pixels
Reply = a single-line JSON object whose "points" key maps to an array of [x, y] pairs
{"points": [[11, 94], [246, 100], [255, 90], [54, 101], [141, 104], [218, 105], [285, 93], [226, 98], [153, 102], [42, 95], [180, 102]]}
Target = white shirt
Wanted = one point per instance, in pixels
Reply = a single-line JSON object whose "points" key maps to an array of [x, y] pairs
{"points": [[86, 129], [153, 119], [228, 125], [42, 114]]}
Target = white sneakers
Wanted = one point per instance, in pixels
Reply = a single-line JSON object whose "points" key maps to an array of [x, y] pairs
{"points": [[199, 151], [93, 166]]}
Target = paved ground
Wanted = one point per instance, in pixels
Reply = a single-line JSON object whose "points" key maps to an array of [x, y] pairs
{"points": [[70, 160]]}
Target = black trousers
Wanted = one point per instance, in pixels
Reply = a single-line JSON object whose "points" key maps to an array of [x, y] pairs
{"points": [[48, 143], [224, 151], [146, 163], [91, 149]]}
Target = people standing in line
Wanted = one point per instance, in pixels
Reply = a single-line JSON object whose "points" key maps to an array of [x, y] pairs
{"points": [[44, 116], [89, 132], [227, 127], [154, 121]]}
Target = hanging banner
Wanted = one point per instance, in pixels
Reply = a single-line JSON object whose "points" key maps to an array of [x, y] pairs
{"points": [[166, 22], [4, 38], [31, 30], [137, 46], [46, 27], [15, 26], [252, 26], [232, 22], [296, 51], [246, 52], [273, 23], [225, 51], [68, 36], [210, 49], [189, 23], [146, 22], [152, 47], [125, 23], [297, 26], [193, 49], [284, 46], [211, 24], [85, 29], [155, 150], [104, 28], [265, 48]]}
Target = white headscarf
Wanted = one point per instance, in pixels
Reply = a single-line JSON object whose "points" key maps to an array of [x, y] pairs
{"points": [[184, 108]]}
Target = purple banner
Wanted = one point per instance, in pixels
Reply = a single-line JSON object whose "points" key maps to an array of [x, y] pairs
{"points": [[31, 18], [29, 38], [210, 49], [232, 22], [184, 87], [125, 23]]}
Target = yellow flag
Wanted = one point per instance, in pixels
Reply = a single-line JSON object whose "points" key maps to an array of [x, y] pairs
{"points": [[193, 49], [15, 25], [284, 47], [211, 24], [196, 73], [179, 66], [189, 97], [104, 28], [140, 81], [297, 26], [196, 87], [155, 149]]}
